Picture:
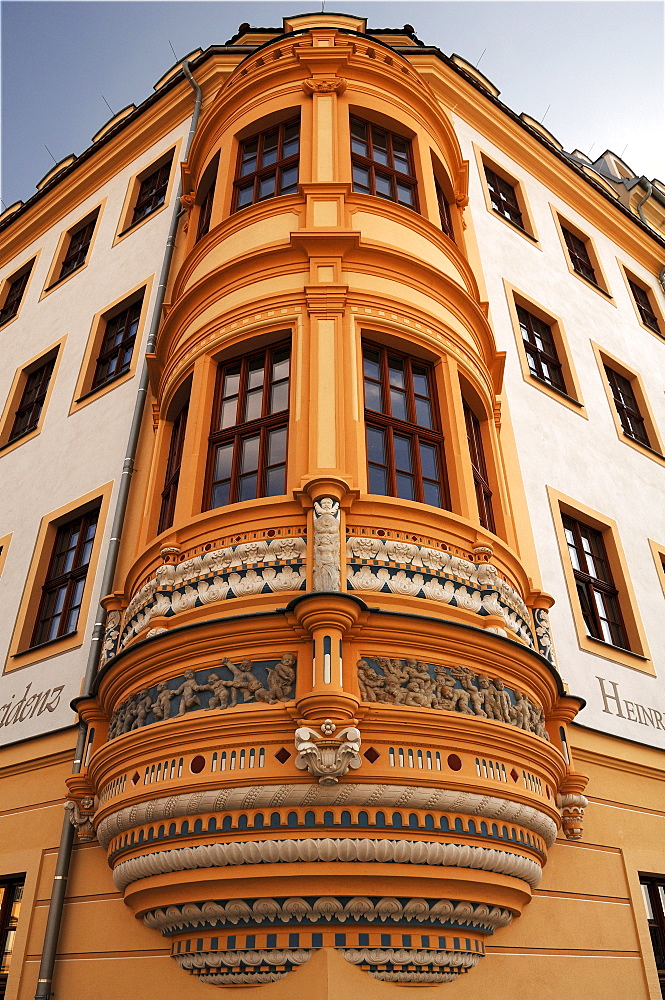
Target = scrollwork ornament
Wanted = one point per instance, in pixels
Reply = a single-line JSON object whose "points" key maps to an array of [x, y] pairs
{"points": [[325, 755], [81, 815], [324, 85]]}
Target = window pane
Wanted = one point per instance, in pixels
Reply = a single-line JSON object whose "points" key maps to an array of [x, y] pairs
{"points": [[228, 414], [291, 140], [376, 451], [380, 147], [429, 461], [373, 396], [270, 144], [248, 487], [359, 138], [432, 494], [223, 460], [231, 381], [289, 180], [279, 398], [220, 494], [383, 185], [402, 447], [253, 404], [267, 186], [249, 460], [404, 486], [245, 195], [277, 446], [405, 194], [276, 481], [398, 404], [360, 178], [396, 372], [377, 481], [371, 364], [423, 412]]}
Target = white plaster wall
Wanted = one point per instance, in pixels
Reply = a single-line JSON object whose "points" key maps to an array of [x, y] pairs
{"points": [[583, 459], [74, 454]]}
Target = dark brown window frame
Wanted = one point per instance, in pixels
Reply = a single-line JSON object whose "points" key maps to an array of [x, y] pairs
{"points": [[592, 590], [13, 887], [33, 396], [67, 581], [80, 238], [503, 197], [445, 216], [173, 464], [540, 359], [626, 405], [578, 254], [242, 430], [392, 173], [643, 304], [17, 284], [479, 466], [205, 212], [253, 179], [653, 890], [148, 201], [109, 350], [416, 433]]}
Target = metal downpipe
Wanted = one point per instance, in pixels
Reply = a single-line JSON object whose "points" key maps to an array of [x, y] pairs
{"points": [[56, 904]]}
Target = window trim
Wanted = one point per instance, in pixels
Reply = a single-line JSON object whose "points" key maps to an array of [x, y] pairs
{"points": [[645, 882], [238, 181], [125, 225], [16, 393], [84, 393], [600, 285], [207, 190], [638, 657], [7, 881], [54, 280], [573, 398], [169, 492], [237, 432], [657, 551], [481, 475], [434, 435], [630, 276], [27, 268], [21, 653], [655, 450], [4, 549], [528, 228]]}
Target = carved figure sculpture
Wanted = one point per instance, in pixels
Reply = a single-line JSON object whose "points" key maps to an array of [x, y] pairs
{"points": [[326, 544], [80, 816], [188, 690], [161, 707], [369, 681], [502, 700], [474, 700], [143, 706], [281, 679], [489, 694], [445, 690], [520, 712], [130, 713], [242, 680], [220, 691], [420, 688], [326, 756]]}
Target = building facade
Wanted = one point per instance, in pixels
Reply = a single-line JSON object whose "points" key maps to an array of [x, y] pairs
{"points": [[340, 386]]}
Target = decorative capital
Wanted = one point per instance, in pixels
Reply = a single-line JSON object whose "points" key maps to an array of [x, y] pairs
{"points": [[572, 814], [325, 755], [81, 814], [324, 85]]}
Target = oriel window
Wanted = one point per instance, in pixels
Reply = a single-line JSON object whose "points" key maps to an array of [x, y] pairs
{"points": [[479, 466], [62, 593], [382, 164], [405, 456], [250, 427], [173, 463], [598, 597], [268, 165]]}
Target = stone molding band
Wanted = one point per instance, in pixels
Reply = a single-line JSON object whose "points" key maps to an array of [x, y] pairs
{"points": [[384, 910], [326, 850], [377, 795]]}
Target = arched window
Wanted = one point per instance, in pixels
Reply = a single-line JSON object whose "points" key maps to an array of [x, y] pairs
{"points": [[247, 456], [404, 444]]}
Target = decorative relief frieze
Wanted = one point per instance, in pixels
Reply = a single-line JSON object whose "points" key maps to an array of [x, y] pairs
{"points": [[391, 566], [327, 850], [328, 754], [258, 567], [544, 635], [452, 689], [225, 686], [417, 966], [246, 965], [327, 569]]}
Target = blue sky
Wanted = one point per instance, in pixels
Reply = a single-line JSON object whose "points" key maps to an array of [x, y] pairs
{"points": [[593, 69]]}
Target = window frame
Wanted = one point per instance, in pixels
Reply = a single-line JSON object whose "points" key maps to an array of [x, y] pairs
{"points": [[481, 482], [649, 885], [133, 312], [37, 382], [281, 163], [22, 274], [9, 922], [546, 357], [16, 394], [638, 656], [126, 223], [527, 228], [156, 198], [368, 163], [236, 433], [572, 397], [597, 591], [445, 215], [90, 220], [169, 494], [631, 279], [599, 281], [655, 449], [417, 433]]}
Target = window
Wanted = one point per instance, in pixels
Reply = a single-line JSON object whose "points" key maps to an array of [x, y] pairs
{"points": [[653, 891], [382, 164], [627, 406], [62, 592], [644, 306], [152, 191], [404, 445], [268, 165], [205, 212], [249, 431], [444, 211], [77, 250], [11, 894], [480, 478], [598, 597], [17, 285], [29, 410], [503, 198], [173, 463], [540, 349], [117, 346], [579, 255]]}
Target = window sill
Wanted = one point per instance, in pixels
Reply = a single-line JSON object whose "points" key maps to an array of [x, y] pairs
{"points": [[17, 442], [559, 392], [102, 387], [617, 649], [645, 449], [63, 277], [517, 228], [593, 284], [139, 222], [43, 645]]}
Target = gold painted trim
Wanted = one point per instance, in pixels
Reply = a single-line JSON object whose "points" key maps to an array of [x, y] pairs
{"points": [[657, 551], [638, 657]]}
